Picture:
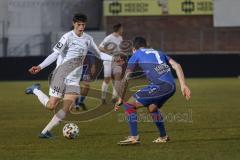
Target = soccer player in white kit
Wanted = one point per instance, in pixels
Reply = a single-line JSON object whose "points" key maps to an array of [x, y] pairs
{"points": [[110, 45], [72, 48]]}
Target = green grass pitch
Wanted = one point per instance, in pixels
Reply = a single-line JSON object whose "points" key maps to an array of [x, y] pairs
{"points": [[210, 130]]}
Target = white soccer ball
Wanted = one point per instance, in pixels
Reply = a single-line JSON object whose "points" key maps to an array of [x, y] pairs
{"points": [[70, 130]]}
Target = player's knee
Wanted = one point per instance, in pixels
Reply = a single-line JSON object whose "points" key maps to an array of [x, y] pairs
{"points": [[107, 80], [152, 108], [118, 76], [68, 103], [129, 108], [86, 85], [117, 72], [52, 105]]}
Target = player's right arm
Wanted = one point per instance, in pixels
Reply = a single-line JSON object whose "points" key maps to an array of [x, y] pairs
{"points": [[49, 60], [101, 55], [102, 49], [107, 46], [184, 88], [102, 45], [58, 48]]}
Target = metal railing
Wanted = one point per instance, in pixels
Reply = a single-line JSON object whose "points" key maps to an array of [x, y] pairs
{"points": [[197, 41], [34, 45], [218, 41]]}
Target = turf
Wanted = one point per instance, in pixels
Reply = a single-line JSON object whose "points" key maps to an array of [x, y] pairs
{"points": [[207, 127]]}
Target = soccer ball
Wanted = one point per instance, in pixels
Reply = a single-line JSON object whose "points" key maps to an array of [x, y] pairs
{"points": [[70, 131]]}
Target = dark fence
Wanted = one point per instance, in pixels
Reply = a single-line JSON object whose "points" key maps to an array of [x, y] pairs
{"points": [[202, 65]]}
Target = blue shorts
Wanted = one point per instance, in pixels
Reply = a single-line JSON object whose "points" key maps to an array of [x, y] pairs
{"points": [[85, 73], [155, 94]]}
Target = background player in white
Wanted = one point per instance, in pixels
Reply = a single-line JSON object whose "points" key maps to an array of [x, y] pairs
{"points": [[72, 48], [110, 45]]}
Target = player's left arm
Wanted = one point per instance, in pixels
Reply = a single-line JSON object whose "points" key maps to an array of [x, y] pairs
{"points": [[122, 88], [98, 53], [184, 88], [94, 49]]}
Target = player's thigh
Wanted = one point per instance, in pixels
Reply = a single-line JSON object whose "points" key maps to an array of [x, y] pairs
{"points": [[85, 84], [53, 102], [134, 102], [117, 72], [155, 94], [152, 108], [107, 68], [117, 76], [69, 101]]}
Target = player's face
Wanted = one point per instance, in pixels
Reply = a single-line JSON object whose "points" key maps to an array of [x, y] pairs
{"points": [[120, 31], [133, 50], [79, 27]]}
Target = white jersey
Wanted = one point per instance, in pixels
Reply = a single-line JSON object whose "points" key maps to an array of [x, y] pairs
{"points": [[112, 39], [70, 53], [72, 46]]}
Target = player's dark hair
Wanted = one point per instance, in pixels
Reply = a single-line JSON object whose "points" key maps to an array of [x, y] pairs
{"points": [[116, 27], [79, 17], [139, 42]]}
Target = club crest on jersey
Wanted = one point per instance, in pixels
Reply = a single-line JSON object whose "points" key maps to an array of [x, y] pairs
{"points": [[59, 45]]}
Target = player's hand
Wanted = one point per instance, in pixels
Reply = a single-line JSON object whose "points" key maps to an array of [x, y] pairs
{"points": [[119, 59], [34, 69], [118, 104], [186, 92]]}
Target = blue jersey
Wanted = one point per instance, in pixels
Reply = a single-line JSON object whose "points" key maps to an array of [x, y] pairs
{"points": [[154, 64]]}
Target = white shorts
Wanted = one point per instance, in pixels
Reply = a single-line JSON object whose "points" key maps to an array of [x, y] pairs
{"points": [[66, 78], [106, 57], [111, 68]]}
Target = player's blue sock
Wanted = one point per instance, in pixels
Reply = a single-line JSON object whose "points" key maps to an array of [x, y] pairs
{"points": [[82, 98], [131, 117], [158, 120]]}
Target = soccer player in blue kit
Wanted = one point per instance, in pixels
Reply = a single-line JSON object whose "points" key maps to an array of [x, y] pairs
{"points": [[89, 70], [156, 66]]}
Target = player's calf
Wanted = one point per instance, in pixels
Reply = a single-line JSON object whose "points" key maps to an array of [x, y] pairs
{"points": [[158, 120]]}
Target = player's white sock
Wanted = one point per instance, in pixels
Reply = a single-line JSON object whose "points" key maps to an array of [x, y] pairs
{"points": [[57, 118], [43, 98], [104, 89]]}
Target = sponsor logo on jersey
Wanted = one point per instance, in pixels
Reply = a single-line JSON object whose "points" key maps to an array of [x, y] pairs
{"points": [[59, 45], [162, 68]]}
